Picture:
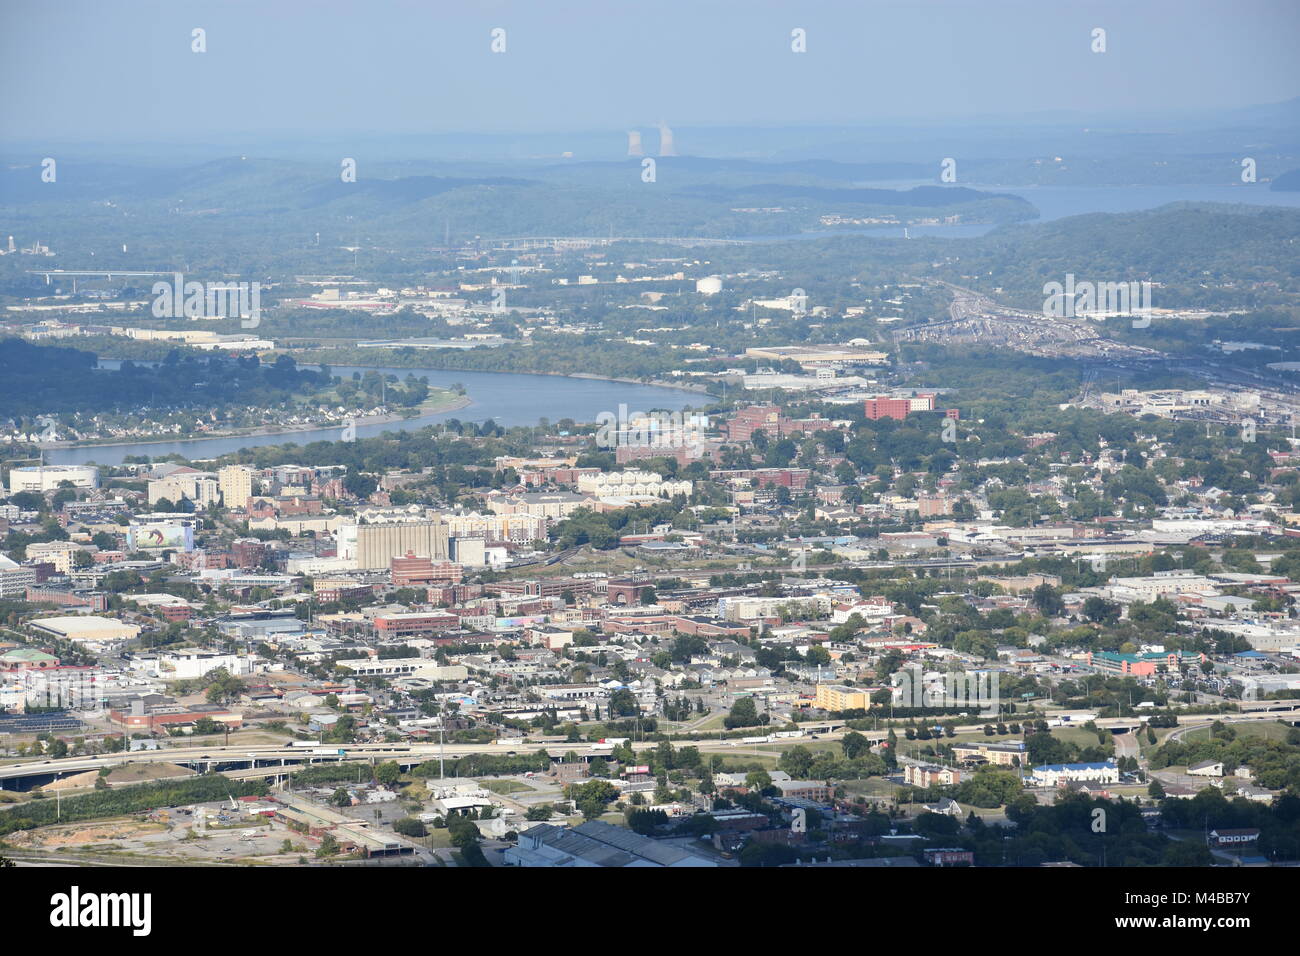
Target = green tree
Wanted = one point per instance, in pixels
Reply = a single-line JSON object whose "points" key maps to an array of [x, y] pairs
{"points": [[388, 773], [797, 762], [593, 797], [855, 745], [744, 713], [411, 827]]}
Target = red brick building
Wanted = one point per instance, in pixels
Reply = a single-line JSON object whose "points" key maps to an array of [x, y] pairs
{"points": [[772, 420], [883, 406], [793, 478], [176, 612], [414, 624], [551, 587], [161, 722], [413, 569], [878, 408], [627, 592], [247, 552]]}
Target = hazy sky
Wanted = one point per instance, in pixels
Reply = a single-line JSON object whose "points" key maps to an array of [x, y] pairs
{"points": [[123, 70]]}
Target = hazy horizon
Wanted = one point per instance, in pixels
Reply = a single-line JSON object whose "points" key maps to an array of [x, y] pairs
{"points": [[124, 73]]}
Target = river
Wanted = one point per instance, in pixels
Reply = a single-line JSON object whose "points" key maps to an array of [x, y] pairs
{"points": [[507, 398], [521, 399]]}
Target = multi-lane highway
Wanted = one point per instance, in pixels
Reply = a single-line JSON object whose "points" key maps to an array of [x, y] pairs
{"points": [[271, 758], [205, 758]]}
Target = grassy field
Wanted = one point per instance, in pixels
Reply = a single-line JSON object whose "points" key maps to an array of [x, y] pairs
{"points": [[506, 787], [879, 787], [1130, 790], [871, 787], [813, 746], [439, 838], [1161, 733], [1074, 735], [1077, 736], [715, 722], [1269, 731], [415, 790], [733, 762]]}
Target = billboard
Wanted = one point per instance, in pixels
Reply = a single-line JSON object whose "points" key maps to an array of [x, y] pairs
{"points": [[161, 535]]}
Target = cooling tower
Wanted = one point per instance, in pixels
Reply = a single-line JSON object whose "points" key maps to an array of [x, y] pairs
{"points": [[666, 141]]}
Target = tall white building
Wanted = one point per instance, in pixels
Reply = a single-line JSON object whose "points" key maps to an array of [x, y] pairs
{"points": [[200, 487], [15, 579]]}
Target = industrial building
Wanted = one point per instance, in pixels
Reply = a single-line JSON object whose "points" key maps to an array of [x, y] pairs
{"points": [[86, 630], [41, 478], [375, 543], [596, 843]]}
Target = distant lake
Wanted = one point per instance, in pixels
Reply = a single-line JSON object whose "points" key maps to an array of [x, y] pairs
{"points": [[1058, 202], [508, 398]]}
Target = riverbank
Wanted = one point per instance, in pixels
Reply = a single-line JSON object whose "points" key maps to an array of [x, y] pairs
{"points": [[315, 360], [509, 399], [434, 406]]}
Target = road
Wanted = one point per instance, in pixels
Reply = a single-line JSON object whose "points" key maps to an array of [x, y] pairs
{"points": [[260, 761], [1126, 745], [206, 757], [271, 760]]}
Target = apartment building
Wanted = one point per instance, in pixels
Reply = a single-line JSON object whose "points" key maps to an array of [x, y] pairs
{"points": [[1005, 754], [835, 697], [235, 482]]}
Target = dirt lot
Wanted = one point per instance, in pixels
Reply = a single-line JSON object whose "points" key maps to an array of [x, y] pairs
{"points": [[171, 838], [136, 773], [83, 834]]}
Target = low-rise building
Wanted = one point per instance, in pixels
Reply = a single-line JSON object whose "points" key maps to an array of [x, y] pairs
{"points": [[596, 843], [1005, 754], [1234, 837], [1059, 774], [931, 775]]}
